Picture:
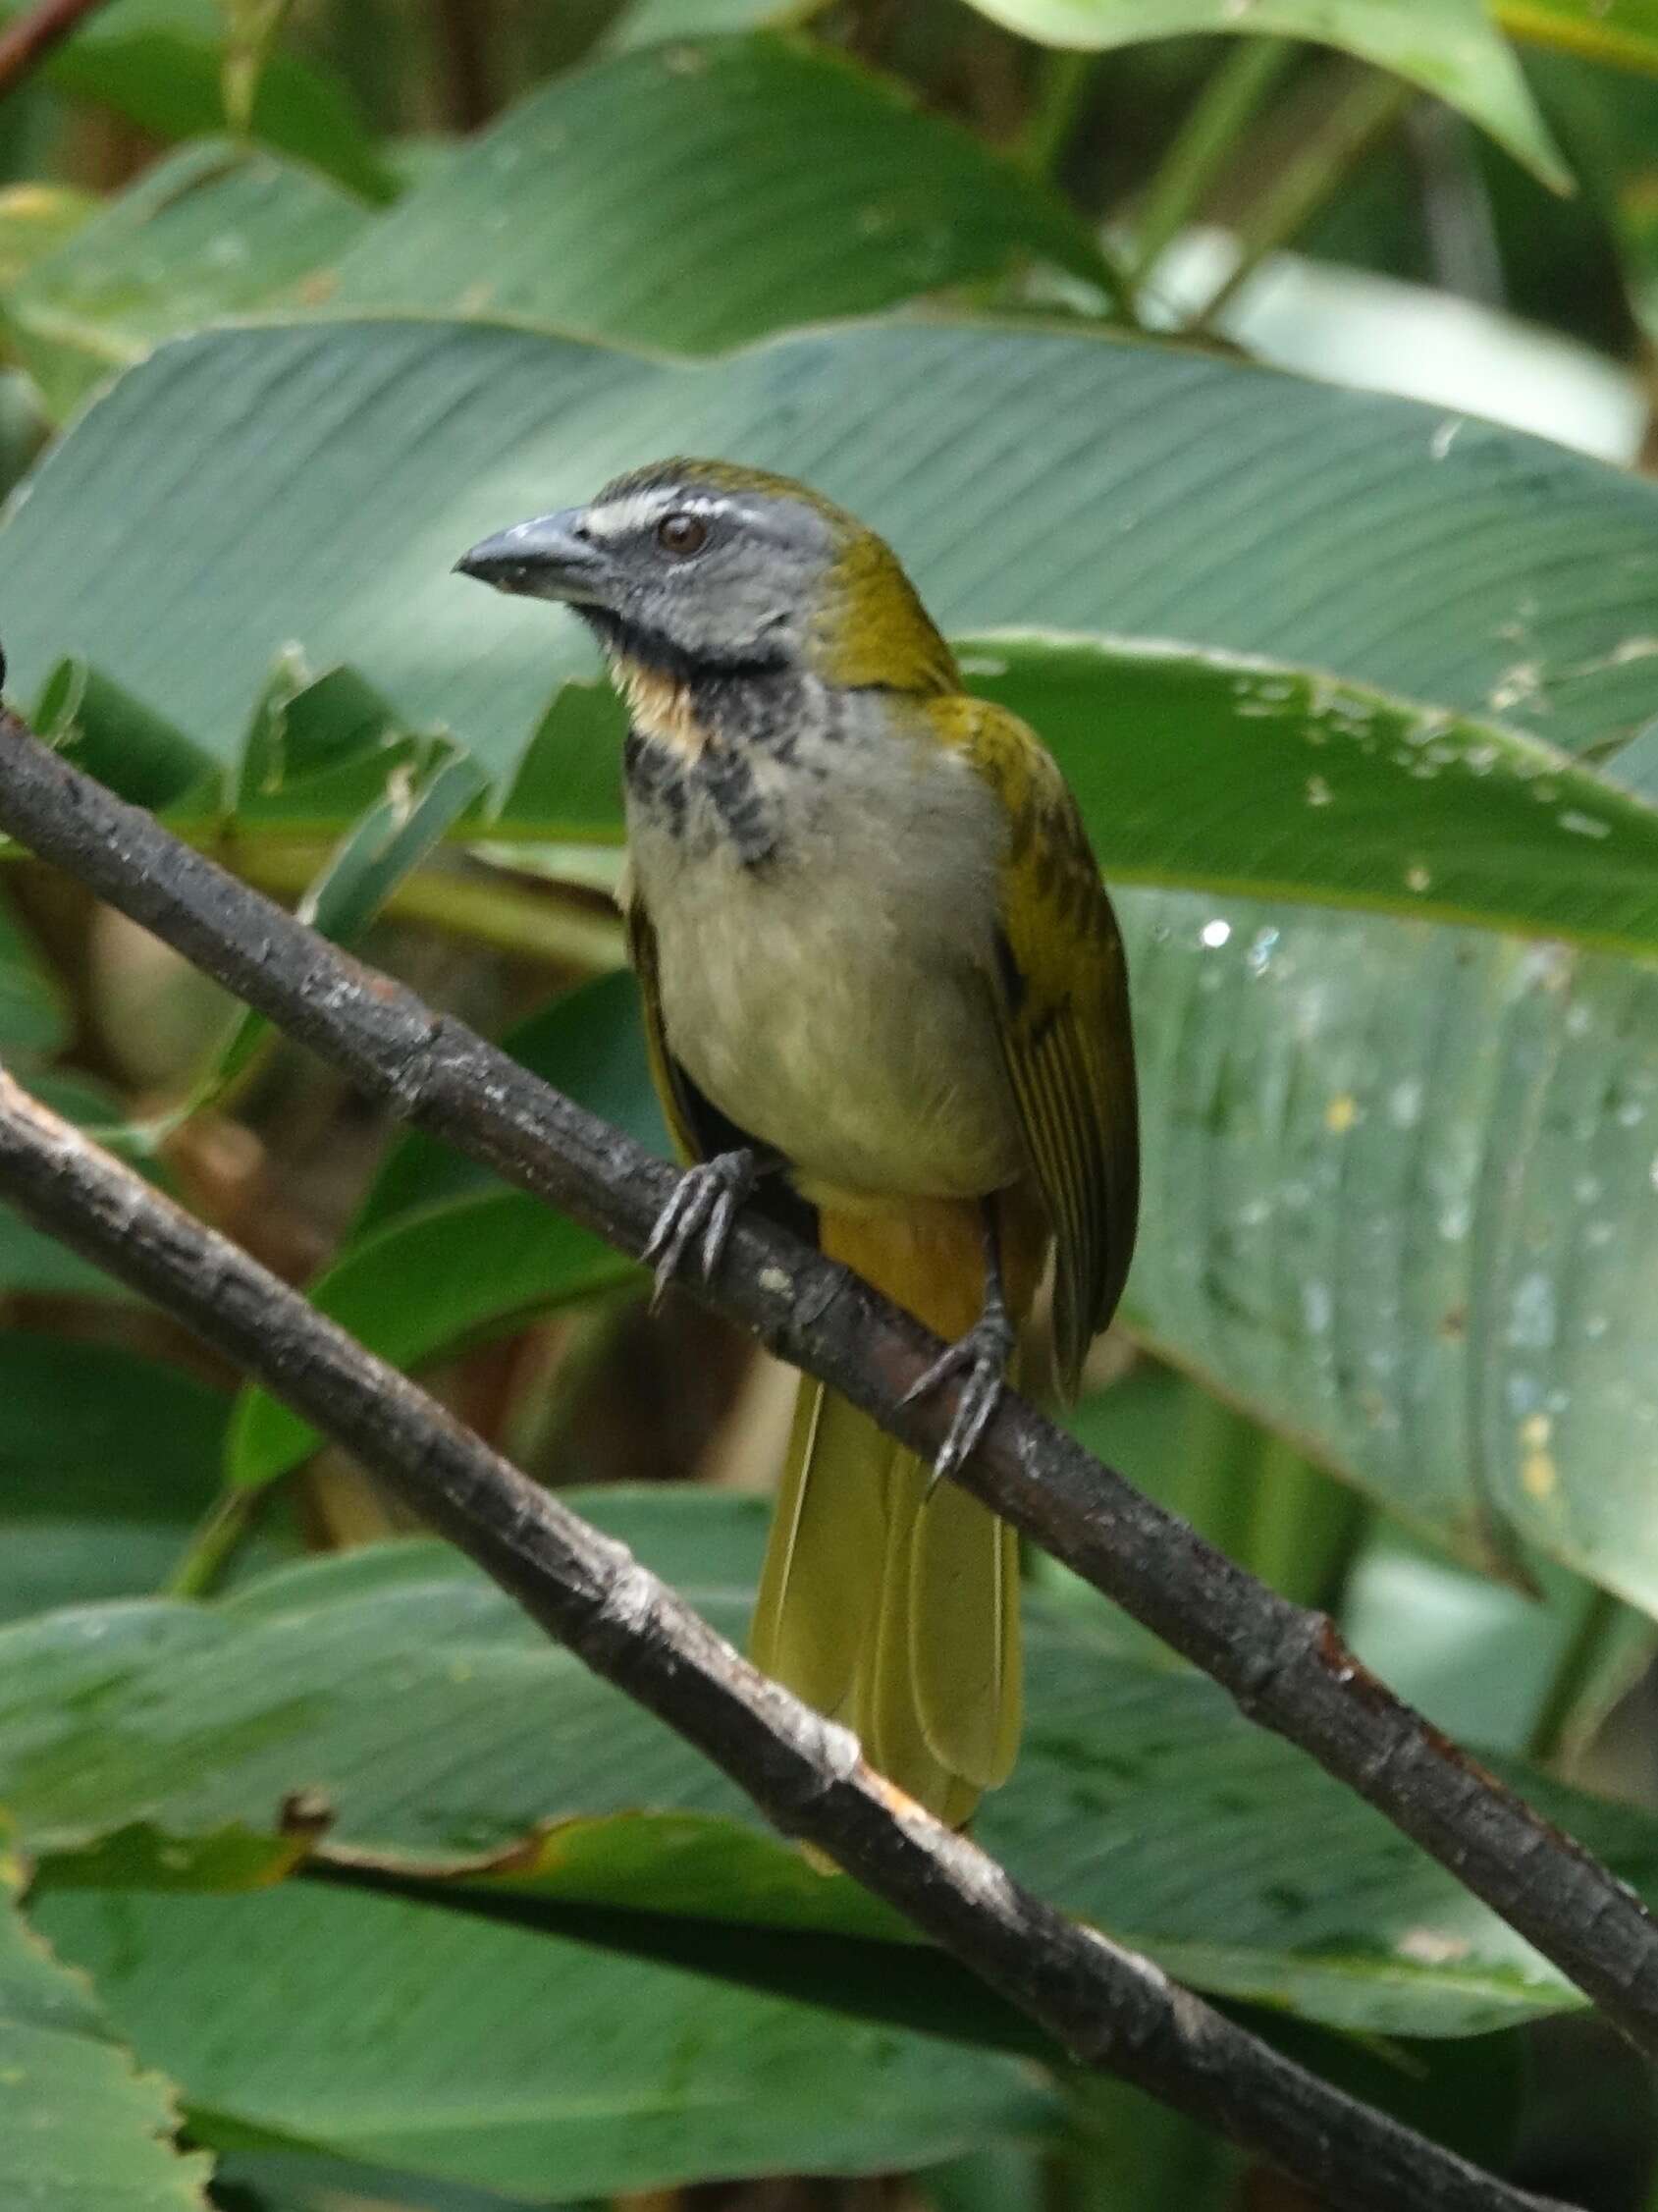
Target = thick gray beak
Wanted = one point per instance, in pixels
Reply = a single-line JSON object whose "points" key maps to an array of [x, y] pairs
{"points": [[551, 558]]}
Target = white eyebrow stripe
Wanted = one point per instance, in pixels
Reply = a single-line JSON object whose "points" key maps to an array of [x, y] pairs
{"points": [[639, 511]]}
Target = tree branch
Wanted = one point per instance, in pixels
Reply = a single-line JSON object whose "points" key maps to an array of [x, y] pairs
{"points": [[1286, 1667], [1110, 2008], [25, 45]]}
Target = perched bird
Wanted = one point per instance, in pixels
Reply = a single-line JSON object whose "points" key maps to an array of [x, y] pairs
{"points": [[877, 964]]}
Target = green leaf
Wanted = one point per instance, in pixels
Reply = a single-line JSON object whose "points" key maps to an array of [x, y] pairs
{"points": [[590, 1043], [1224, 509], [444, 1253], [1400, 1194], [34, 1026], [209, 233], [81, 2128], [444, 1734], [1125, 2153], [800, 185], [320, 751], [430, 1282], [568, 783], [1448, 47], [159, 63], [35, 220], [390, 842], [1278, 782], [508, 2060], [33, 1019], [116, 739], [109, 1461]]}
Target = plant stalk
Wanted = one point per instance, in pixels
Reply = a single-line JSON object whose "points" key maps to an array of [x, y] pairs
{"points": [[1363, 114], [1204, 144]]}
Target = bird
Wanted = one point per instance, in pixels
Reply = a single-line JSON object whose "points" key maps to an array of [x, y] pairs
{"points": [[885, 998]]}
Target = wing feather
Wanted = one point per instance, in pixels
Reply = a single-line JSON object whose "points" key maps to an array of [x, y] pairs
{"points": [[684, 1107], [1060, 982]]}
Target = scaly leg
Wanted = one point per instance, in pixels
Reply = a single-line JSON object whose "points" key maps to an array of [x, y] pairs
{"points": [[701, 1211], [982, 1355]]}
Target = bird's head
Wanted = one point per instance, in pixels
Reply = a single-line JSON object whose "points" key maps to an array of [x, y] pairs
{"points": [[691, 566]]}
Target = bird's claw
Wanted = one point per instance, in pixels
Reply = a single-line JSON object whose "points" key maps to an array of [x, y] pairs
{"points": [[700, 1213], [981, 1356]]}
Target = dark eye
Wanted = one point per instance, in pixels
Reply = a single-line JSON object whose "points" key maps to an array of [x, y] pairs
{"points": [[681, 533]]}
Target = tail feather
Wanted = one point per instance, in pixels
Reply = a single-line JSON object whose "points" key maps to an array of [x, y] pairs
{"points": [[964, 1634], [813, 1613], [893, 1611]]}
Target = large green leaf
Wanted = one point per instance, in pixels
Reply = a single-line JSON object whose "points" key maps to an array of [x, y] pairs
{"points": [[1235, 507], [387, 2031], [1400, 1191], [1213, 771], [159, 62], [81, 2128], [401, 1691], [106, 1463], [211, 231], [798, 187], [1446, 46]]}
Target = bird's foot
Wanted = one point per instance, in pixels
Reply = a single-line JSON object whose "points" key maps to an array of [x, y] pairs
{"points": [[700, 1213], [982, 1356]]}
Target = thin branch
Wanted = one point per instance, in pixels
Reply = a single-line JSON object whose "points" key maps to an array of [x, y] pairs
{"points": [[1108, 2007], [25, 45], [1286, 1667]]}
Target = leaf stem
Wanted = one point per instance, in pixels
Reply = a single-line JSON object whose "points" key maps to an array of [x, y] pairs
{"points": [[1545, 23], [1576, 1671], [1064, 81], [1230, 96], [197, 1569], [1363, 113]]}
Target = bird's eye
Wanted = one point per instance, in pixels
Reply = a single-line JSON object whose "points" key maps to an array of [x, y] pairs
{"points": [[681, 533]]}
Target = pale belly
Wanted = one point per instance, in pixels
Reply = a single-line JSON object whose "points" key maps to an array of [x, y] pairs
{"points": [[851, 1029]]}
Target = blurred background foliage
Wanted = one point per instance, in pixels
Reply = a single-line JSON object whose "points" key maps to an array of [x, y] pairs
{"points": [[1262, 395]]}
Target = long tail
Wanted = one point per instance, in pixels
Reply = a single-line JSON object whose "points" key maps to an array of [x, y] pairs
{"points": [[892, 1610]]}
